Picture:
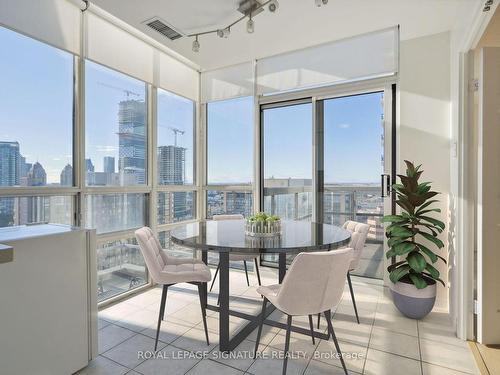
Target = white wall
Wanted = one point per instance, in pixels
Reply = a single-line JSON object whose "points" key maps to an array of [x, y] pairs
{"points": [[425, 122]]}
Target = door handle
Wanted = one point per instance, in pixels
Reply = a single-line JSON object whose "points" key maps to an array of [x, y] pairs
{"points": [[385, 182]]}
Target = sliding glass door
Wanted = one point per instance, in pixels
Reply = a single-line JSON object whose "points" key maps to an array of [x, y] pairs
{"points": [[328, 159]]}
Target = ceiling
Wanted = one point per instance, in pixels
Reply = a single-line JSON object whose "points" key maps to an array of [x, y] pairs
{"points": [[296, 24]]}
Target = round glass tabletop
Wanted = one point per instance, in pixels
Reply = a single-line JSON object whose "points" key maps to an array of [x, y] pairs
{"points": [[229, 236]]}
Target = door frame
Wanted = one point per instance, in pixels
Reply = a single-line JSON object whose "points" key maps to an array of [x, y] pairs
{"points": [[387, 85]]}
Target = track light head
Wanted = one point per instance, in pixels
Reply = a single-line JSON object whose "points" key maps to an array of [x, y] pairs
{"points": [[273, 6], [250, 26], [320, 2], [223, 33], [196, 45]]}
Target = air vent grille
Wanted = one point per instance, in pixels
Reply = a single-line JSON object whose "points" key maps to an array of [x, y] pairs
{"points": [[163, 29]]}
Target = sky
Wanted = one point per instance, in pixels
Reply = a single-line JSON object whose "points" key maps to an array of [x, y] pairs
{"points": [[36, 109]]}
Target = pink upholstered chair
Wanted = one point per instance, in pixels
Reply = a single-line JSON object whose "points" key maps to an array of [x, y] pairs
{"points": [[234, 257], [359, 232], [313, 284], [167, 271]]}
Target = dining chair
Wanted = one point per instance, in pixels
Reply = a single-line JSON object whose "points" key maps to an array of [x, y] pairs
{"points": [[313, 284], [235, 257], [359, 233], [167, 271]]}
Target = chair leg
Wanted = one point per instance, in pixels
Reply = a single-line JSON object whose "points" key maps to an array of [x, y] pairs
{"points": [[203, 311], [332, 333], [319, 319], [246, 272], [312, 328], [352, 295], [215, 277], [257, 271], [259, 332], [161, 313], [287, 342]]}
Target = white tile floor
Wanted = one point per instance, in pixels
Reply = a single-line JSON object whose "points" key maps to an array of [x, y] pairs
{"points": [[385, 342]]}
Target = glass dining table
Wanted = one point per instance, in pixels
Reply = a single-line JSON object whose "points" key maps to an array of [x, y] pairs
{"points": [[225, 237]]}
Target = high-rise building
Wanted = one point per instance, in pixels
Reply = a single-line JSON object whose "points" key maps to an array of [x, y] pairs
{"points": [[109, 164], [36, 176], [10, 159], [89, 167], [171, 165], [67, 176], [132, 140], [171, 171], [24, 167]]}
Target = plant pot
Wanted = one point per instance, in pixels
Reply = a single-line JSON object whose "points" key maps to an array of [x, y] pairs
{"points": [[412, 302]]}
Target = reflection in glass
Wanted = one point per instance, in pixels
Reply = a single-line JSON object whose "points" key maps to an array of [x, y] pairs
{"points": [[172, 248], [175, 206], [115, 128], [229, 202], [175, 139], [120, 267], [32, 210], [36, 113], [115, 212]]}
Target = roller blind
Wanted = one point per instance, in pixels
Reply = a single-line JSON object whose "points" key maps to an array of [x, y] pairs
{"points": [[56, 22], [365, 56], [109, 45], [177, 77], [227, 83]]}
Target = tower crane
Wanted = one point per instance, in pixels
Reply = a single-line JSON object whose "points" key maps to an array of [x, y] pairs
{"points": [[127, 92], [176, 131]]}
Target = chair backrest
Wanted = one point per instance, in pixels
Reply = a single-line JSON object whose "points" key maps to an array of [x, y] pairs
{"points": [[151, 250], [228, 217], [315, 282], [359, 232]]}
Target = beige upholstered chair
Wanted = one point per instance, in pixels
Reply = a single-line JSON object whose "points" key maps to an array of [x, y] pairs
{"points": [[313, 284], [359, 232], [167, 271], [233, 257]]}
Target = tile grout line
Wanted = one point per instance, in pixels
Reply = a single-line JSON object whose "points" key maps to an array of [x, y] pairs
{"points": [[419, 349], [370, 337]]}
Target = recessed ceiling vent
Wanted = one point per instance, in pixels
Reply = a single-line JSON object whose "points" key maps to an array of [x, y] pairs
{"points": [[163, 28]]}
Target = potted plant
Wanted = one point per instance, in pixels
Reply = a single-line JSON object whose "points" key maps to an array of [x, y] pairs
{"points": [[412, 236]]}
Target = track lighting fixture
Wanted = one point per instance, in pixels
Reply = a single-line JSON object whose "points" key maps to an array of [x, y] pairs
{"points": [[196, 45], [273, 6], [251, 8]]}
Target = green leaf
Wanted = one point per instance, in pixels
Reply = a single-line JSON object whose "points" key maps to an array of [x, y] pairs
{"points": [[394, 241], [433, 257], [416, 261], [427, 204], [393, 219], [431, 220], [433, 239], [404, 248], [395, 265], [401, 232], [396, 274], [390, 253], [433, 271], [405, 205], [419, 213], [418, 281]]}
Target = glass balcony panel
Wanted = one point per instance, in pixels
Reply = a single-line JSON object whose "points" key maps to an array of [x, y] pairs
{"points": [[229, 202], [33, 210]]}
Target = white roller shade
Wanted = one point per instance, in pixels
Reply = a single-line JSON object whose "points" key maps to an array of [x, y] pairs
{"points": [[365, 56], [109, 45], [226, 83], [56, 22], [177, 77]]}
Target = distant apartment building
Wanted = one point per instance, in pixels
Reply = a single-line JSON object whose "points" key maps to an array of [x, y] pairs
{"points": [[10, 159], [66, 178], [108, 164]]}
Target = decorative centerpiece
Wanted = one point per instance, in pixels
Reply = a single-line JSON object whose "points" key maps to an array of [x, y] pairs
{"points": [[263, 225]]}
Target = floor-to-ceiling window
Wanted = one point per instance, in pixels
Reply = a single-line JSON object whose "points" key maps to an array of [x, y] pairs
{"points": [[36, 132], [175, 155], [115, 160], [230, 157], [353, 128], [287, 152]]}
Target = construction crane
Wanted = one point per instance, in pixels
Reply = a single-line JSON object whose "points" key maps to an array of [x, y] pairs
{"points": [[176, 131], [127, 92]]}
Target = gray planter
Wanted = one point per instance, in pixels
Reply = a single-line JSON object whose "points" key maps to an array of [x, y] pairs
{"points": [[412, 302]]}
